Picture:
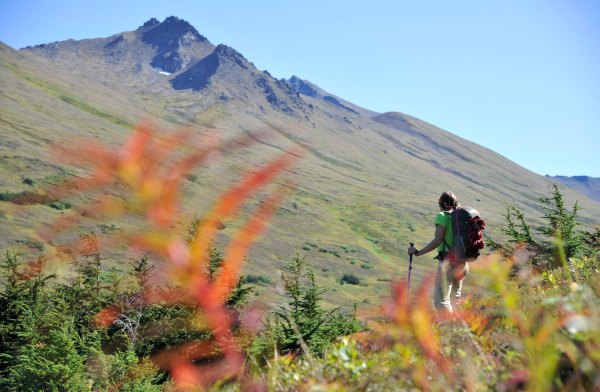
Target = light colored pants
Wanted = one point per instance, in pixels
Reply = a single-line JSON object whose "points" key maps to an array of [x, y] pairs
{"points": [[448, 284]]}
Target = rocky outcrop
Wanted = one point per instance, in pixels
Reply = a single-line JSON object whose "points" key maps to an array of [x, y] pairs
{"points": [[150, 23], [49, 50], [271, 96], [302, 87], [198, 76], [116, 49]]}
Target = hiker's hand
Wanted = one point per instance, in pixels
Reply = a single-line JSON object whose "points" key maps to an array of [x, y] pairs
{"points": [[412, 250]]}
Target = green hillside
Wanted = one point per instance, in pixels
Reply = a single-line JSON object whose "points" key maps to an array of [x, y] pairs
{"points": [[366, 187]]}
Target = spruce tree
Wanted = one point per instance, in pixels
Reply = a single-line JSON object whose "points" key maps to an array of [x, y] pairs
{"points": [[562, 224]]}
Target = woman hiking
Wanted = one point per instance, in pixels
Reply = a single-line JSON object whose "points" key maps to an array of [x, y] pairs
{"points": [[450, 273]]}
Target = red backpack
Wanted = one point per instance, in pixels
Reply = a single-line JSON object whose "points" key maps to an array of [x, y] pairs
{"points": [[468, 229]]}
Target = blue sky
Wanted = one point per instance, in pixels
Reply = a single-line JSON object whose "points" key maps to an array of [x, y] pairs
{"points": [[519, 77]]}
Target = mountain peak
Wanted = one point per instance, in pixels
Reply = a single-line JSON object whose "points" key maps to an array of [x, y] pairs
{"points": [[171, 38], [177, 23], [171, 29]]}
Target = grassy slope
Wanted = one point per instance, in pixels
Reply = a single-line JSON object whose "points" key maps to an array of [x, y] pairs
{"points": [[364, 189]]}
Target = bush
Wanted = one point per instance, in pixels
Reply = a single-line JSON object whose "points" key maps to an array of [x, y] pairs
{"points": [[59, 205], [561, 239], [29, 181], [257, 279], [350, 279], [302, 325], [47, 362]]}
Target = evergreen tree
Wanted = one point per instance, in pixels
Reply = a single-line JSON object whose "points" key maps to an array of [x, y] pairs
{"points": [[562, 223], [563, 238], [518, 231], [303, 325]]}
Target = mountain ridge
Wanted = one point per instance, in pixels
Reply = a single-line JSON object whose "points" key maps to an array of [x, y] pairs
{"points": [[586, 185]]}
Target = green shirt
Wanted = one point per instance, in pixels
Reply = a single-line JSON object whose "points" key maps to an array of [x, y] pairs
{"points": [[443, 219]]}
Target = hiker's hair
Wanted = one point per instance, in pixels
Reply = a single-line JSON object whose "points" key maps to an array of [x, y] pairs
{"points": [[448, 201]]}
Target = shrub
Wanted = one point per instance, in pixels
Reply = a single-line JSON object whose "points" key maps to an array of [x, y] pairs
{"points": [[562, 224], [350, 279], [562, 239], [260, 280], [47, 361], [59, 205], [302, 325], [29, 181]]}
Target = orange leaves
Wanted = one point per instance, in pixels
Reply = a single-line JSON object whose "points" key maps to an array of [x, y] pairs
{"points": [[106, 317], [229, 203], [414, 326], [239, 247], [143, 179], [422, 321]]}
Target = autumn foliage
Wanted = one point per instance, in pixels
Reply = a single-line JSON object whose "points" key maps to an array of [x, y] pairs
{"points": [[151, 168]]}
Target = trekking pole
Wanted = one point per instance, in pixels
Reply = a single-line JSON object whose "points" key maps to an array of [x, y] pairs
{"points": [[409, 269]]}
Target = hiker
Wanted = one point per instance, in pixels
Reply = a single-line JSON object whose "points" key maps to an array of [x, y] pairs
{"points": [[450, 273]]}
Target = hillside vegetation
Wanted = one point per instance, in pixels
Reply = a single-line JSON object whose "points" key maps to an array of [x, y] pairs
{"points": [[188, 321]]}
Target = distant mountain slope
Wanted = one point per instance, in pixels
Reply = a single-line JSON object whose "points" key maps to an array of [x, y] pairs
{"points": [[367, 186], [585, 185]]}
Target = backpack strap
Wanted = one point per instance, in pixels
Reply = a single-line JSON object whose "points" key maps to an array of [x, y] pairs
{"points": [[446, 247], [455, 224]]}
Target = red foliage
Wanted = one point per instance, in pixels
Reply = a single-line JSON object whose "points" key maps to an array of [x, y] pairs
{"points": [[152, 168]]}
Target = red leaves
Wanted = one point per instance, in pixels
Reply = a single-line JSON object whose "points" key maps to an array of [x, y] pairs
{"points": [[106, 317], [151, 169]]}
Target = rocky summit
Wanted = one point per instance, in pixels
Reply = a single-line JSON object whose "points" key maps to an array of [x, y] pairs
{"points": [[172, 40]]}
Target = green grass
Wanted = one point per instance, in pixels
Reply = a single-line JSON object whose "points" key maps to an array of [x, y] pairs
{"points": [[63, 96], [54, 179], [93, 111]]}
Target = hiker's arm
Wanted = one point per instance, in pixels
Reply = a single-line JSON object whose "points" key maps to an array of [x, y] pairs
{"points": [[440, 231]]}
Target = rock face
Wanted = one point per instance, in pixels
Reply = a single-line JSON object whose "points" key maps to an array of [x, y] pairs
{"points": [[116, 50], [306, 88], [228, 70], [172, 39], [301, 87], [198, 76]]}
